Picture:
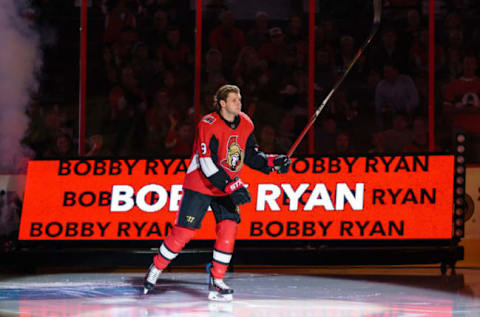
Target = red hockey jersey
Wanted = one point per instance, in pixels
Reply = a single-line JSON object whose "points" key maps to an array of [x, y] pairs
{"points": [[462, 96], [219, 152]]}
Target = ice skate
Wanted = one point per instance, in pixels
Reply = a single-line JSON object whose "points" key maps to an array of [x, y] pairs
{"points": [[218, 290], [150, 278]]}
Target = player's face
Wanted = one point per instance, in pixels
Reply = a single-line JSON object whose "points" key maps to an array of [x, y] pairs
{"points": [[233, 104]]}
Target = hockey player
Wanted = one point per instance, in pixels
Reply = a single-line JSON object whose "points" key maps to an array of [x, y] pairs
{"points": [[224, 142]]}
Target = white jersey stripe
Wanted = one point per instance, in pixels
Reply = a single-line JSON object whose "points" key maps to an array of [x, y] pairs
{"points": [[193, 164], [208, 167], [166, 253], [221, 257]]}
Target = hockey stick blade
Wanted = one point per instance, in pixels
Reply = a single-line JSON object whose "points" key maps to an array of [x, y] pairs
{"points": [[377, 14]]}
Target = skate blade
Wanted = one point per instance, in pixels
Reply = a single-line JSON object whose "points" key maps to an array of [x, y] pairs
{"points": [[216, 296], [145, 291]]}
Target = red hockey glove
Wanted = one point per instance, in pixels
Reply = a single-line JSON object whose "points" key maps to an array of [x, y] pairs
{"points": [[238, 192]]}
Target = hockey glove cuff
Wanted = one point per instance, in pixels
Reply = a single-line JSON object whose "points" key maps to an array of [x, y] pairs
{"points": [[238, 193]]}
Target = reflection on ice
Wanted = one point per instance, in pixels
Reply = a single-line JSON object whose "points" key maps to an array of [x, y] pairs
{"points": [[257, 295]]}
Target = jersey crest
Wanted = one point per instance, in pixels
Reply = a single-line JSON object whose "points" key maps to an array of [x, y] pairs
{"points": [[235, 155], [468, 100], [209, 119]]}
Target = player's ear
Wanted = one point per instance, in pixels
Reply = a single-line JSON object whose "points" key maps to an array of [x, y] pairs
{"points": [[222, 103]]}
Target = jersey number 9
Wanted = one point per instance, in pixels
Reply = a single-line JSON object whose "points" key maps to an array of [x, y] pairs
{"points": [[203, 147]]}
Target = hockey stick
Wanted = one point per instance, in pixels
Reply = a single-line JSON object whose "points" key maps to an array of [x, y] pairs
{"points": [[377, 7]]}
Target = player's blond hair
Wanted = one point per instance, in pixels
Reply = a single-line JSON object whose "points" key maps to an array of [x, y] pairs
{"points": [[222, 94]]}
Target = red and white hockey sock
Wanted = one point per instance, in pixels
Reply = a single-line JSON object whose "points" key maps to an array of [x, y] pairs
{"points": [[172, 245], [222, 252]]}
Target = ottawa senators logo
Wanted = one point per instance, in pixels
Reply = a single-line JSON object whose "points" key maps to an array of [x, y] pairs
{"points": [[235, 154]]}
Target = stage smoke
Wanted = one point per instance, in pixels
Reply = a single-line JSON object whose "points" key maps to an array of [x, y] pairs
{"points": [[20, 62]]}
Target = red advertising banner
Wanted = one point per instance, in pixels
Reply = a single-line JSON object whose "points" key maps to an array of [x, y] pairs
{"points": [[321, 198]]}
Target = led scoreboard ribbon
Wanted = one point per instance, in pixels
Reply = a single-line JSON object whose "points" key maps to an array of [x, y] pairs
{"points": [[321, 198]]}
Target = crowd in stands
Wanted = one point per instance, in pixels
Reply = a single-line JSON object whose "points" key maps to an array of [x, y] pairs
{"points": [[141, 66], [141, 78]]}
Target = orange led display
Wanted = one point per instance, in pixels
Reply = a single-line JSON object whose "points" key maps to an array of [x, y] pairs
{"points": [[321, 198]]}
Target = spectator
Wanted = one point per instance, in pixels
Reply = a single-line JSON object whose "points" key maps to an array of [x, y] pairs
{"points": [[346, 53], [343, 144], [339, 107], [452, 23], [122, 48], [293, 92], [158, 32], [462, 104], [258, 35], [331, 32], [404, 3], [324, 73], [158, 65], [413, 27], [388, 52], [176, 53], [419, 140], [109, 67], [128, 104], [227, 38], [44, 126], [261, 68], [344, 58], [364, 92], [206, 104], [419, 53], [286, 132], [180, 139], [179, 98], [325, 137], [212, 10], [157, 123], [456, 41], [213, 72], [476, 38], [463, 93], [276, 50], [248, 69], [61, 148], [143, 67], [268, 140], [421, 82], [127, 97], [167, 6], [55, 121], [378, 142], [399, 136], [279, 58], [394, 94], [97, 146], [294, 32], [394, 9], [117, 19], [321, 43], [454, 65]]}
